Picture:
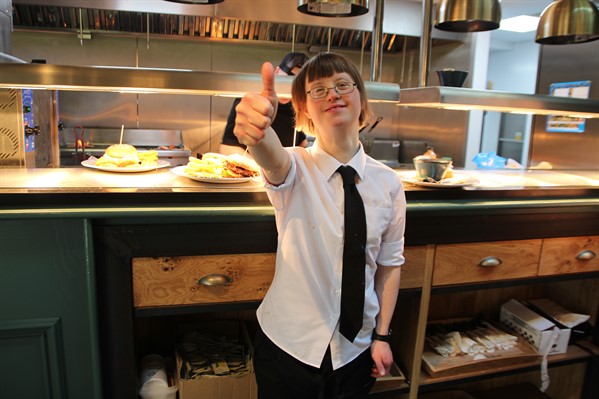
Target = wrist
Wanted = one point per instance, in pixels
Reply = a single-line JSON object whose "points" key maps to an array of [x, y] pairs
{"points": [[381, 337]]}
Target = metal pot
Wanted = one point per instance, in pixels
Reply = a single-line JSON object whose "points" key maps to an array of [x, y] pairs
{"points": [[431, 168]]}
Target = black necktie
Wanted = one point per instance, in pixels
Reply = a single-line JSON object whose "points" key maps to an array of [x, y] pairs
{"points": [[354, 257]]}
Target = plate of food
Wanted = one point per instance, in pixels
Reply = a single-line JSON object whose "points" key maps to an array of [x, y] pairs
{"points": [[455, 181], [124, 158], [218, 168]]}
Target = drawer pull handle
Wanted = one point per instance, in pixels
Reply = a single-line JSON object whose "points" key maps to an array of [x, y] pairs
{"points": [[586, 255], [490, 261], [215, 280]]}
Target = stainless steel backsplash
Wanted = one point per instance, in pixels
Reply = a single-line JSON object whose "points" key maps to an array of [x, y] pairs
{"points": [[202, 118]]}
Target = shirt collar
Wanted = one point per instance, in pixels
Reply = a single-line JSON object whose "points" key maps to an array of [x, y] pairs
{"points": [[329, 165]]}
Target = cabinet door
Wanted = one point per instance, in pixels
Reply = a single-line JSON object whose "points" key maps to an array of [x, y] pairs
{"points": [[569, 255], [486, 261], [48, 338]]}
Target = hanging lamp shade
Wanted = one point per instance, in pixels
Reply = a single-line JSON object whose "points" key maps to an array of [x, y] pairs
{"points": [[568, 22], [333, 8], [468, 15], [196, 1]]}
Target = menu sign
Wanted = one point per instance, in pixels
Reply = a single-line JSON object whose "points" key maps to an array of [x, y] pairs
{"points": [[563, 123]]}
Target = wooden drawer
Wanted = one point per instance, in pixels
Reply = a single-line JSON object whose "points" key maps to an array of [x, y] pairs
{"points": [[463, 263], [412, 272], [569, 255], [178, 280]]}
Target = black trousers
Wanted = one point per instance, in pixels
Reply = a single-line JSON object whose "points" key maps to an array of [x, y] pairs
{"points": [[281, 376]]}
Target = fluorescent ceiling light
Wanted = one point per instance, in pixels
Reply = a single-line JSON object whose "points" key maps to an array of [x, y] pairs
{"points": [[520, 24]]}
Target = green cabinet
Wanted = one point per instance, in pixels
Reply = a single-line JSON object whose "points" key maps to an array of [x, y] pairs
{"points": [[48, 328]]}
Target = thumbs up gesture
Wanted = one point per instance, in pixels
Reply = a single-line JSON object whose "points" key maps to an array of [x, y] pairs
{"points": [[256, 111]]}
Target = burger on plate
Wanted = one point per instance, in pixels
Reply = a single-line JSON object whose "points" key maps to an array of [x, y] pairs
{"points": [[239, 166], [126, 156], [219, 166]]}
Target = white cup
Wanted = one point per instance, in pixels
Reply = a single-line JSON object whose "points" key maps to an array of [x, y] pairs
{"points": [[153, 372]]}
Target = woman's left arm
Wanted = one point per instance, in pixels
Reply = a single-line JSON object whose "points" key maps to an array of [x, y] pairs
{"points": [[386, 285]]}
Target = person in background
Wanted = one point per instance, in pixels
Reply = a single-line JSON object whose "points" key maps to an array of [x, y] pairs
{"points": [[284, 123], [301, 349]]}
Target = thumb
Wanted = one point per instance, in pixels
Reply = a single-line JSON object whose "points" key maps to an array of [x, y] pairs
{"points": [[268, 84]]}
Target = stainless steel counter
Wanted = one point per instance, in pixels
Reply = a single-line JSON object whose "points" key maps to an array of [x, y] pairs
{"points": [[93, 181]]}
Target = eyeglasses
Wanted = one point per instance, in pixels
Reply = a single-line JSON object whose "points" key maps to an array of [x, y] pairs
{"points": [[318, 92]]}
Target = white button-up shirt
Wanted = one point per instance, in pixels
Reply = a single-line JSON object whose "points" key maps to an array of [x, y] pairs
{"points": [[301, 309]]}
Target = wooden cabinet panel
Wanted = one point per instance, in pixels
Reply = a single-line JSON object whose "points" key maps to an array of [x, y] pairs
{"points": [[171, 281], [412, 271], [569, 255], [463, 263]]}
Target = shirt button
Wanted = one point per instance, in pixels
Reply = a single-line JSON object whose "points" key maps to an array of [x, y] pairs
{"points": [[337, 292]]}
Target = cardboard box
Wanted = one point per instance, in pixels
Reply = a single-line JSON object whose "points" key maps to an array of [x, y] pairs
{"points": [[221, 386], [533, 327], [394, 380]]}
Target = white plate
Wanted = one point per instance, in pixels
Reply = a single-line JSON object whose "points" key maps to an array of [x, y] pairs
{"points": [[453, 182], [91, 163], [180, 171]]}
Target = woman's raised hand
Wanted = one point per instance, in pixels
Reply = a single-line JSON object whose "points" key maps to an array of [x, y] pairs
{"points": [[256, 111]]}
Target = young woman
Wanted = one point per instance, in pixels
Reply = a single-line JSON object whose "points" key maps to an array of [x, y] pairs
{"points": [[300, 351]]}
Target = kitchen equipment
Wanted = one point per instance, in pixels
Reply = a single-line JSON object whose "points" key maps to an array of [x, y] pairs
{"points": [[468, 16], [431, 168], [79, 135], [27, 128], [386, 151], [167, 143], [451, 77], [380, 118], [568, 22], [367, 139]]}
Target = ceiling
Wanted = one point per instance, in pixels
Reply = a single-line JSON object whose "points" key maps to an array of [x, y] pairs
{"points": [[512, 8]]}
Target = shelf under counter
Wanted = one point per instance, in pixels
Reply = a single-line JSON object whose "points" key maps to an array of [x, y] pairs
{"points": [[575, 354]]}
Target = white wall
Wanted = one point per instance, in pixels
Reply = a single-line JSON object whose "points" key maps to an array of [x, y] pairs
{"points": [[512, 69]]}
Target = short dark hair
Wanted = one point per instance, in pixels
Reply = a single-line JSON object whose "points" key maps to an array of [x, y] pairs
{"points": [[293, 60], [323, 65]]}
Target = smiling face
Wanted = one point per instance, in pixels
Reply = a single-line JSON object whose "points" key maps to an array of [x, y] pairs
{"points": [[328, 70], [340, 106]]}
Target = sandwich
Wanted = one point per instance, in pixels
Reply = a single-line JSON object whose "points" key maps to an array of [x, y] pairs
{"points": [[240, 166], [218, 166], [126, 156]]}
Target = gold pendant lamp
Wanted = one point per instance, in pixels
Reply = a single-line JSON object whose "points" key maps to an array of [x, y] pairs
{"points": [[333, 8], [468, 15], [199, 2], [568, 22]]}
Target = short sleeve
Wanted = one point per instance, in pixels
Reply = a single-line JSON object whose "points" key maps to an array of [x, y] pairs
{"points": [[393, 241], [277, 194]]}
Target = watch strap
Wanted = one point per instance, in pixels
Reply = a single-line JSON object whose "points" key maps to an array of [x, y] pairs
{"points": [[378, 337]]}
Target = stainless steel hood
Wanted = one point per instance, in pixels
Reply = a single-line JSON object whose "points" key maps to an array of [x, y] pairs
{"points": [[221, 24], [144, 80], [454, 98]]}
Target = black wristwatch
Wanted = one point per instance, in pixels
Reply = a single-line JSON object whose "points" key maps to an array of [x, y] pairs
{"points": [[384, 338]]}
